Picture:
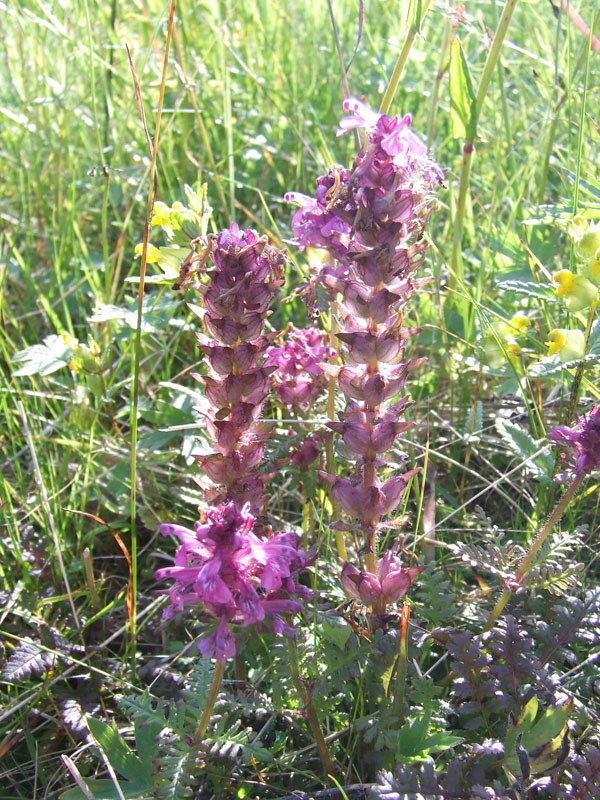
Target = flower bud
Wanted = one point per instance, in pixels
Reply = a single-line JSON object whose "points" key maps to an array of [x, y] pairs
{"points": [[362, 586]]}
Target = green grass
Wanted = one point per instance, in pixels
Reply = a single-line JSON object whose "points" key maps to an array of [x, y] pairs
{"points": [[253, 97]]}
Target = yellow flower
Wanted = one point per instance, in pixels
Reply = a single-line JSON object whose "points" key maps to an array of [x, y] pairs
{"points": [[69, 340], [577, 292], [160, 215], [586, 237], [520, 323], [514, 351], [505, 331], [508, 330], [568, 344], [152, 253]]}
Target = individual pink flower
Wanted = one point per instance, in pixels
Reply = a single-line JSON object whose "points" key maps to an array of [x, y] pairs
{"points": [[307, 452], [584, 440], [368, 502], [235, 576]]}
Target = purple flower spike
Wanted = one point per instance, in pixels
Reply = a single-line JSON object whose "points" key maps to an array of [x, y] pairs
{"points": [[235, 576], [241, 283], [371, 221], [584, 440]]}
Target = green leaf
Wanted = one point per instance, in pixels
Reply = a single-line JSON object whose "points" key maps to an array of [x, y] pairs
{"points": [[442, 740], [43, 359], [120, 756], [529, 289], [523, 445], [338, 633], [147, 731], [462, 97], [551, 365], [412, 736], [543, 741], [474, 423], [548, 727]]}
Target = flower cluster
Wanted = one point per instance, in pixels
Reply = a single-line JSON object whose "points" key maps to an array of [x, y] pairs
{"points": [[577, 290], [298, 379], [371, 220], [584, 440], [236, 298], [237, 577]]}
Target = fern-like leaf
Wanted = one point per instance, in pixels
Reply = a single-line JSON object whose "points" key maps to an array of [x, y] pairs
{"points": [[425, 783], [179, 770], [236, 743], [28, 660]]}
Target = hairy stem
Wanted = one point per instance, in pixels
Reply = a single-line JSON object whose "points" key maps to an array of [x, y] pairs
{"points": [[579, 374], [554, 517], [400, 686], [311, 713], [210, 703]]}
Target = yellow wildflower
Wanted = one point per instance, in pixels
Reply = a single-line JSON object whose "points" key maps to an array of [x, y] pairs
{"points": [[152, 253], [576, 291], [568, 344], [160, 215]]}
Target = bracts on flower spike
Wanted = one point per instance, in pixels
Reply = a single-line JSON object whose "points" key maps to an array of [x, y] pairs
{"points": [[241, 284], [371, 220]]}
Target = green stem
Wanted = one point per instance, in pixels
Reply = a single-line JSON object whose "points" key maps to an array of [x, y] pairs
{"points": [[535, 547], [469, 145], [311, 713], [494, 54], [579, 373], [402, 58], [459, 224], [400, 686], [104, 216], [213, 693], [329, 449]]}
